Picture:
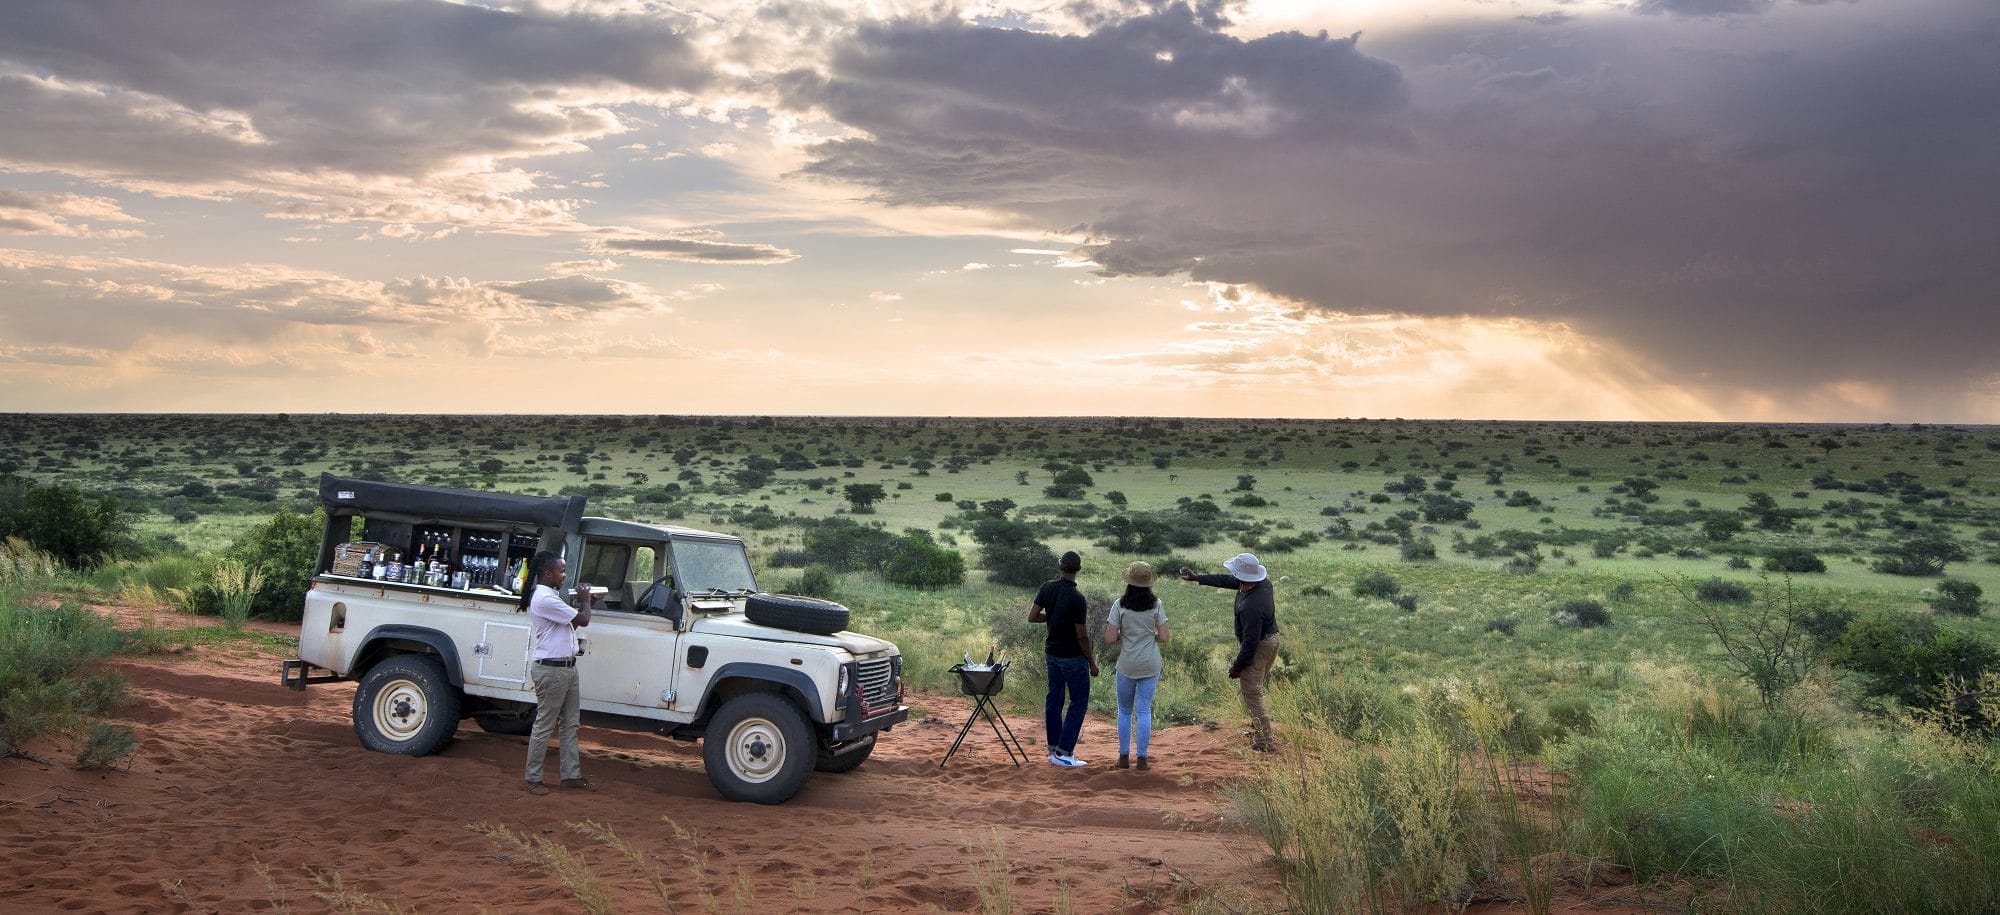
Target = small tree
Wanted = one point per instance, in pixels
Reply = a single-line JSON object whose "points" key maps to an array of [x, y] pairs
{"points": [[922, 563], [1960, 597], [1925, 555], [1796, 559], [863, 496], [1246, 482], [1768, 642], [1011, 554]]}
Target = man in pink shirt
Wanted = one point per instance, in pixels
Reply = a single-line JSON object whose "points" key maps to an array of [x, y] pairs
{"points": [[552, 633]]}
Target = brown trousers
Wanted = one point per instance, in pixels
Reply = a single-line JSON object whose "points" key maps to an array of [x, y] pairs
{"points": [[1252, 684]]}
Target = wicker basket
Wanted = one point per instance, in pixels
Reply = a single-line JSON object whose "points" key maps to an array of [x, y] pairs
{"points": [[981, 681], [349, 564]]}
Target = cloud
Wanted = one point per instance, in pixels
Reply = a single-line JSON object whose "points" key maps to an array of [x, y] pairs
{"points": [[584, 294], [698, 247], [1702, 7], [24, 213], [1776, 203], [392, 112]]}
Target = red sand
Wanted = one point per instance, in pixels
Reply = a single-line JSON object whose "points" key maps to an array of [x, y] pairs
{"points": [[235, 775]]}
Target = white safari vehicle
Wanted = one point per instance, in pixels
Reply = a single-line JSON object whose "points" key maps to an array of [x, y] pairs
{"points": [[682, 644]]}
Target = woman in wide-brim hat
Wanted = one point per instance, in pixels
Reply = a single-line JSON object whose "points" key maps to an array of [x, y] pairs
{"points": [[1138, 624]]}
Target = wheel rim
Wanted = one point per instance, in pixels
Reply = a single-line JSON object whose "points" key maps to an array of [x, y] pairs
{"points": [[756, 750], [401, 709]]}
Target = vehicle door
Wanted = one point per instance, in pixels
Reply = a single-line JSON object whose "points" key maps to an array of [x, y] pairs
{"points": [[628, 664]]}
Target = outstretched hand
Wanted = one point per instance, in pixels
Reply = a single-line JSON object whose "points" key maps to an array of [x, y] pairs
{"points": [[1187, 574]]}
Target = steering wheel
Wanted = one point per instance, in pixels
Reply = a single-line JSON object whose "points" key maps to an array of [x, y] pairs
{"points": [[659, 598]]}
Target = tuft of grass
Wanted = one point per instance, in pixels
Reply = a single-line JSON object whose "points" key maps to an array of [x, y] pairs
{"points": [[106, 746], [556, 860], [992, 876]]}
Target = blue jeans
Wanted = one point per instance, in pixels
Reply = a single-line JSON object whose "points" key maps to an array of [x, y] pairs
{"points": [[1135, 702], [1068, 678]]}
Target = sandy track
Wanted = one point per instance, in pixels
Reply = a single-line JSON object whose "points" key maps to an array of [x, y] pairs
{"points": [[235, 773]]}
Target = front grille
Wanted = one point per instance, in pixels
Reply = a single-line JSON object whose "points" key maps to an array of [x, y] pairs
{"points": [[878, 685]]}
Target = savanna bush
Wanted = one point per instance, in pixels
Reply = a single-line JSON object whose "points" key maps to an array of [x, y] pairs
{"points": [[1376, 584], [921, 563], [1011, 553], [1957, 596], [1420, 549], [1794, 559], [1581, 614], [283, 550], [1719, 590], [1908, 657], [815, 581], [78, 528]]}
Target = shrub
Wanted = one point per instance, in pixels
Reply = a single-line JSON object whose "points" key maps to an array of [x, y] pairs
{"points": [[1505, 625], [1011, 554], [789, 558], [921, 563], [1419, 550], [283, 550], [1406, 601], [75, 527], [1906, 657], [847, 546], [1582, 614], [1794, 559], [1955, 596], [1722, 591], [105, 746], [942, 497], [1376, 584], [1249, 500], [815, 581]]}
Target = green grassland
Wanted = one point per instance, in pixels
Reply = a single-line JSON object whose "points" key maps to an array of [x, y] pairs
{"points": [[1556, 492], [1431, 576]]}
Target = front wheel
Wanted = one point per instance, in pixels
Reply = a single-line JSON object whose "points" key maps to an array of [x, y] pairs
{"points": [[406, 706], [758, 748]]}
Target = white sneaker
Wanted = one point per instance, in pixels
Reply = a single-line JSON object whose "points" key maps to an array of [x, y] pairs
{"points": [[1067, 762]]}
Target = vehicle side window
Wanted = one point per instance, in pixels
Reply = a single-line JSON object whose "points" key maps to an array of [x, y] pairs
{"points": [[604, 564], [644, 561]]}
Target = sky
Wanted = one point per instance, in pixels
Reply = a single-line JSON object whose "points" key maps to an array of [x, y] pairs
{"points": [[1734, 210]]}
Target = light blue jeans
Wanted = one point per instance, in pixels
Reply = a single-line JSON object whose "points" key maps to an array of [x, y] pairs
{"points": [[1135, 702]]}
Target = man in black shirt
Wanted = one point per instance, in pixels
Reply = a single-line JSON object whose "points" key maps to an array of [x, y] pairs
{"points": [[1256, 636], [1071, 660]]}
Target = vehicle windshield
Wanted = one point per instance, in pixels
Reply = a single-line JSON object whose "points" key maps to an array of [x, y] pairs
{"points": [[706, 565]]}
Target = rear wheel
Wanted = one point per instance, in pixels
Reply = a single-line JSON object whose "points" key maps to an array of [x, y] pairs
{"points": [[406, 706], [758, 748]]}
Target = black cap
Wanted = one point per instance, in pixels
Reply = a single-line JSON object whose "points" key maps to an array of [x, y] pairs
{"points": [[1070, 562]]}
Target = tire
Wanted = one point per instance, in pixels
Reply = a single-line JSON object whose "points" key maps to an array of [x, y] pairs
{"points": [[847, 761], [512, 724], [798, 614], [758, 748], [405, 706]]}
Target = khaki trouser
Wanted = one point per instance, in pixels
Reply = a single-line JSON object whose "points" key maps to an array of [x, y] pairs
{"points": [[556, 707], [1251, 682]]}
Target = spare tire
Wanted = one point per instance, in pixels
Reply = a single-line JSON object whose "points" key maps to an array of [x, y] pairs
{"points": [[799, 614]]}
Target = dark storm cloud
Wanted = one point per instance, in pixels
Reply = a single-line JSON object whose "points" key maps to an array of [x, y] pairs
{"points": [[958, 114], [1779, 201], [204, 90]]}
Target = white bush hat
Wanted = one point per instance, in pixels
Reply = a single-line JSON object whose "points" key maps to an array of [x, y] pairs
{"points": [[1245, 567]]}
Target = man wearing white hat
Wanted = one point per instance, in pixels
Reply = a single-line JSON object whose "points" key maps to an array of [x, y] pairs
{"points": [[1256, 636]]}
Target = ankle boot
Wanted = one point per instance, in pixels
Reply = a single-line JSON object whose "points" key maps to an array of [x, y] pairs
{"points": [[1125, 761], [1142, 764]]}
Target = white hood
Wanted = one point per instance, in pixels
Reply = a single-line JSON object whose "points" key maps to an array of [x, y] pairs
{"points": [[735, 624]]}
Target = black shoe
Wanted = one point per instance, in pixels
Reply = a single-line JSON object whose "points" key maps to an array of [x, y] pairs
{"points": [[1125, 762]]}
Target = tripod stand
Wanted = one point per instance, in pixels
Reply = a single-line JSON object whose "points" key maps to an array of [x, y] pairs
{"points": [[982, 684]]}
